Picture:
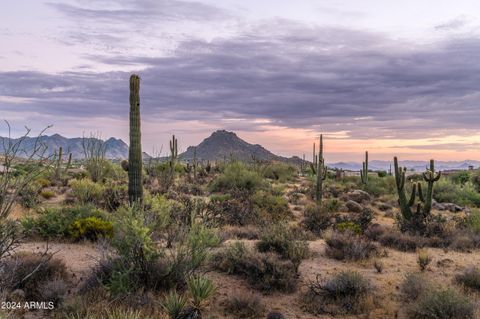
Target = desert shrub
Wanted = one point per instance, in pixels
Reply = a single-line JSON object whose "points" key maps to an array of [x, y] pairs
{"points": [[248, 232], [31, 273], [350, 227], [347, 292], [423, 259], [441, 304], [47, 194], [90, 228], [53, 291], [402, 241], [374, 231], [55, 223], [279, 172], [28, 196], [317, 219], [472, 221], [461, 177], [237, 176], [237, 211], [248, 306], [378, 186], [469, 278], [43, 182], [348, 246], [265, 272], [143, 264], [86, 191], [282, 240], [382, 174], [447, 191], [114, 196], [413, 286], [270, 207]]}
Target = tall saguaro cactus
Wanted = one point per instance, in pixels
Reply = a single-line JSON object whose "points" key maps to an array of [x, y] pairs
{"points": [[419, 218], [59, 170], [364, 171], [319, 168], [135, 161]]}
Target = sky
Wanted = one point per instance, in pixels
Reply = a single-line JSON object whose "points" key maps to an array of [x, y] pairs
{"points": [[391, 77]]}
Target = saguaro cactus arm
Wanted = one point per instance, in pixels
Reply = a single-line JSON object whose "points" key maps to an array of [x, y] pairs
{"points": [[364, 171]]}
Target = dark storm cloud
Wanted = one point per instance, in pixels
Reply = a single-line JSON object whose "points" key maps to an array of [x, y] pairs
{"points": [[294, 76]]}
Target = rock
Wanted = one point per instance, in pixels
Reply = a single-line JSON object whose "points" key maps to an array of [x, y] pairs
{"points": [[452, 207], [358, 196], [354, 207], [447, 206]]}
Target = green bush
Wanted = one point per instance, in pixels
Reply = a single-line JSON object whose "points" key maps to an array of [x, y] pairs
{"points": [[86, 191], [279, 171], [47, 194], [282, 240], [237, 176], [472, 221], [270, 207], [447, 191], [55, 223], [90, 228], [350, 227], [378, 186]]}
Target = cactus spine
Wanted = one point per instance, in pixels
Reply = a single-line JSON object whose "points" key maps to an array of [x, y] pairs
{"points": [[319, 168], [135, 161], [419, 218], [364, 171]]}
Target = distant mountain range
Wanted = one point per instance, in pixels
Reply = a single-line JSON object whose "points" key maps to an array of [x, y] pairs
{"points": [[418, 166], [224, 144], [115, 148]]}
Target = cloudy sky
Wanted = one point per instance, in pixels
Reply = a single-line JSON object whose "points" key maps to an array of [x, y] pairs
{"points": [[393, 77]]}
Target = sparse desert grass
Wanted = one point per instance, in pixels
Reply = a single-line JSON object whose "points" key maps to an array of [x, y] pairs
{"points": [[469, 278]]}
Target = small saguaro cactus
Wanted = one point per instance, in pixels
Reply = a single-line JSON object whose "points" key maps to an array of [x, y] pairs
{"points": [[364, 171], [416, 220], [320, 170], [135, 160], [59, 161], [173, 152]]}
